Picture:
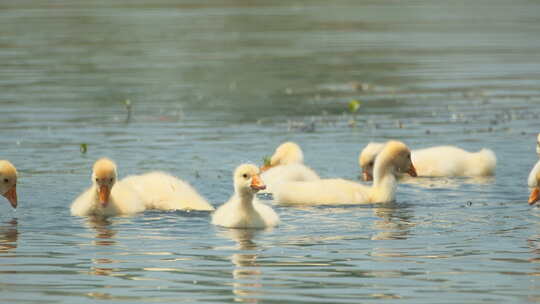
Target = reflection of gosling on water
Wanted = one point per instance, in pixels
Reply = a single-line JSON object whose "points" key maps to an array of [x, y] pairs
{"points": [[9, 235], [243, 210], [437, 161], [8, 182], [286, 164], [107, 196], [534, 177], [534, 184], [394, 158], [162, 191]]}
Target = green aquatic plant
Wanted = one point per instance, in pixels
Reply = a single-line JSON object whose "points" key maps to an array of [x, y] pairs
{"points": [[266, 160], [354, 105], [84, 148]]}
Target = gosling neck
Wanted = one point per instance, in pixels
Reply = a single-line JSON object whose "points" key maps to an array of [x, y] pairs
{"points": [[384, 182], [246, 198]]}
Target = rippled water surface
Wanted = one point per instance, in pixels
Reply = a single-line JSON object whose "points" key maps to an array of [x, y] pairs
{"points": [[216, 83]]}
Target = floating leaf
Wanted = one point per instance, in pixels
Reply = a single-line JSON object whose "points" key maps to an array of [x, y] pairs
{"points": [[354, 105], [84, 148]]}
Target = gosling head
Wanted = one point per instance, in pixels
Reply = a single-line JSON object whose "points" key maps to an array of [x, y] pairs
{"points": [[8, 182], [366, 159], [247, 179], [400, 157], [104, 177], [287, 153], [535, 193]]}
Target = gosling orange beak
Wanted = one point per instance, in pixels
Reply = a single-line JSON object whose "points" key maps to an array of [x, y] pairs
{"points": [[104, 193], [412, 171], [256, 183], [535, 196], [366, 176], [265, 167], [11, 195]]}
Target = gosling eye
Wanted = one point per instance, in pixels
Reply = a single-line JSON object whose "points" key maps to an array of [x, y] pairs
{"points": [[6, 180], [111, 180], [97, 180], [371, 163], [244, 175]]}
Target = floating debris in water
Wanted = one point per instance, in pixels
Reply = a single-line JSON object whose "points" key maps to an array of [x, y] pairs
{"points": [[83, 148], [474, 94], [360, 86], [129, 109], [301, 126]]}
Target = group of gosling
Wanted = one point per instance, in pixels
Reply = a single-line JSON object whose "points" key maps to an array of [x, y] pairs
{"points": [[285, 176]]}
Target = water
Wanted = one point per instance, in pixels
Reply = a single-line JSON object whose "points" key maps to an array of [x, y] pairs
{"points": [[217, 83]]}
